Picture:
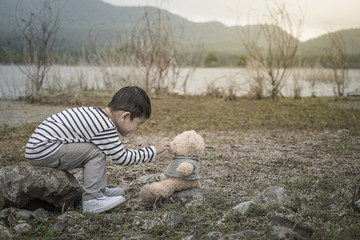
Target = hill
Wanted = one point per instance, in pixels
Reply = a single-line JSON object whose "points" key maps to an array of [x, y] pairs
{"points": [[318, 45], [85, 22]]}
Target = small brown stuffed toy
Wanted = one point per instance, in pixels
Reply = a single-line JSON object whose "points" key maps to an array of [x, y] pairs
{"points": [[183, 171]]}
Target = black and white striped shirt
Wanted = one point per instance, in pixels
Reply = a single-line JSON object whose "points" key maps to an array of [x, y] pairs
{"points": [[83, 125]]}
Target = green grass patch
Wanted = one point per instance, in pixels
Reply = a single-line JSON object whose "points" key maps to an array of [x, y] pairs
{"points": [[308, 146]]}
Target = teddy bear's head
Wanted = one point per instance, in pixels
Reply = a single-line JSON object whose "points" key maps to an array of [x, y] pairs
{"points": [[188, 144]]}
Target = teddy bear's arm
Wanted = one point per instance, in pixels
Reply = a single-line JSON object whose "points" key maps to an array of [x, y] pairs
{"points": [[185, 169]]}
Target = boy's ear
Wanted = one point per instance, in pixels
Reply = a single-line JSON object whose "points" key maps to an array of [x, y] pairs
{"points": [[126, 115]]}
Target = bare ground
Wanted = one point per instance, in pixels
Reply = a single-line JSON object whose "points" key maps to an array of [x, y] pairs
{"points": [[17, 113], [236, 166]]}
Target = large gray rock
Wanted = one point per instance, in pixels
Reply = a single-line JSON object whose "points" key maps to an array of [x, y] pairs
{"points": [[30, 187]]}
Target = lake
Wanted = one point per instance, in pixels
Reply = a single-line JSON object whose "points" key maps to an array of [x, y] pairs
{"points": [[13, 82]]}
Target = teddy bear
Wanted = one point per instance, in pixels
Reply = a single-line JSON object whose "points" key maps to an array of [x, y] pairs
{"points": [[183, 170]]}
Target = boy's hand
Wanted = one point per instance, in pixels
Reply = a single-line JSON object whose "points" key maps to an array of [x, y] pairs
{"points": [[162, 145]]}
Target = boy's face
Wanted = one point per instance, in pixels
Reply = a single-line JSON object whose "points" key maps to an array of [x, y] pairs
{"points": [[124, 124]]}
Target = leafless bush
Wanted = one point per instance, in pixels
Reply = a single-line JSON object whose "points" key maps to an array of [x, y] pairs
{"points": [[337, 59], [273, 45], [257, 81], [317, 74], [37, 36], [227, 93], [297, 82]]}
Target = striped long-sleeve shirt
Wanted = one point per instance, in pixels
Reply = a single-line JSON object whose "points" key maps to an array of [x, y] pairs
{"points": [[83, 125]]}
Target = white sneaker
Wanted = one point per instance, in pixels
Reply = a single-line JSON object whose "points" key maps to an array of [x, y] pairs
{"points": [[112, 192], [101, 204]]}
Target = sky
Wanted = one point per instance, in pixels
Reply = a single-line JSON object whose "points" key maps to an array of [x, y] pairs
{"points": [[320, 16]]}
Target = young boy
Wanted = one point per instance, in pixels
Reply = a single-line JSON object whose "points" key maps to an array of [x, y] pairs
{"points": [[83, 137]]}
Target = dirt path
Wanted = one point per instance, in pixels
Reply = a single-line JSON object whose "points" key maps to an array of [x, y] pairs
{"points": [[16, 113]]}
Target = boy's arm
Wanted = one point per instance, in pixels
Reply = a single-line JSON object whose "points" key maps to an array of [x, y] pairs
{"points": [[108, 141], [162, 145]]}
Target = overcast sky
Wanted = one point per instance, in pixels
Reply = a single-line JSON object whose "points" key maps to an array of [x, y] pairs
{"points": [[320, 16]]}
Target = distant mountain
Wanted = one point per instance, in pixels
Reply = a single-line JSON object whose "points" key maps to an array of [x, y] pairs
{"points": [[87, 21], [318, 45]]}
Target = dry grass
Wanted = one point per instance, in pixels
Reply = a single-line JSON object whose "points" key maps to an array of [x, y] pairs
{"points": [[309, 146]]}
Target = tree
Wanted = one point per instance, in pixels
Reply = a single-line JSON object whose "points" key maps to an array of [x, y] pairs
{"points": [[273, 46], [157, 53], [151, 44], [241, 61], [211, 60], [37, 35], [338, 61]]}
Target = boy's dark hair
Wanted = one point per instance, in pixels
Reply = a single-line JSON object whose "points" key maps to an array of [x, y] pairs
{"points": [[131, 99]]}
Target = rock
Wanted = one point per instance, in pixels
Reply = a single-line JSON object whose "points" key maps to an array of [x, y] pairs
{"points": [[5, 233], [357, 205], [187, 196], [114, 219], [272, 195], [31, 187], [173, 218], [41, 214], [22, 227], [190, 237], [139, 237], [71, 215], [247, 234], [3, 218], [241, 209], [212, 235], [25, 214], [58, 226], [145, 224], [304, 231], [279, 232], [2, 199]]}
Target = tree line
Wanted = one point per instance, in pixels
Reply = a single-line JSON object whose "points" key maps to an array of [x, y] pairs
{"points": [[155, 54]]}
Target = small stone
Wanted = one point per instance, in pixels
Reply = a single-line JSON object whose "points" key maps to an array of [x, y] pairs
{"points": [[190, 237], [212, 235], [145, 224], [41, 214], [139, 237], [240, 209], [114, 219], [284, 233], [187, 196], [5, 233], [24, 214], [272, 195], [58, 226], [173, 218], [357, 205], [22, 227], [297, 227], [70, 215], [247, 234]]}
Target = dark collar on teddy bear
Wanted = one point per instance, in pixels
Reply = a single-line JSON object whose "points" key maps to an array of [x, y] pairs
{"points": [[185, 158], [175, 162]]}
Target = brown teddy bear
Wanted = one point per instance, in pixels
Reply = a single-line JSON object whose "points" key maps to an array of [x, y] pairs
{"points": [[183, 171]]}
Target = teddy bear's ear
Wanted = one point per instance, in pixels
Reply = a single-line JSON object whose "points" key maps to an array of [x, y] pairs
{"points": [[196, 142]]}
